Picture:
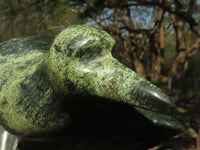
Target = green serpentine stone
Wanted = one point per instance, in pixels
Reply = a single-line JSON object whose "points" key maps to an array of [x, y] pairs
{"points": [[33, 80], [27, 101]]}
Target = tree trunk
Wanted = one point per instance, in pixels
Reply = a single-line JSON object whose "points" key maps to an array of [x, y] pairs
{"points": [[180, 63], [157, 39]]}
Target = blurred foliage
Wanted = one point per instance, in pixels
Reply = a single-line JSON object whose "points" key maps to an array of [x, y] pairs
{"points": [[190, 85], [35, 17]]}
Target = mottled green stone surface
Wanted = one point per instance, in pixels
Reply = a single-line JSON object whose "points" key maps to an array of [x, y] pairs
{"points": [[36, 77], [27, 101]]}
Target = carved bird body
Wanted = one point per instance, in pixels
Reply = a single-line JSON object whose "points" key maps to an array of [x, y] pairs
{"points": [[47, 87]]}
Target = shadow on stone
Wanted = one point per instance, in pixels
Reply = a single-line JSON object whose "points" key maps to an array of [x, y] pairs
{"points": [[100, 124]]}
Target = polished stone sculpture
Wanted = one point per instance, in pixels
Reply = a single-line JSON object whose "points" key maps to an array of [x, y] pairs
{"points": [[40, 82]]}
